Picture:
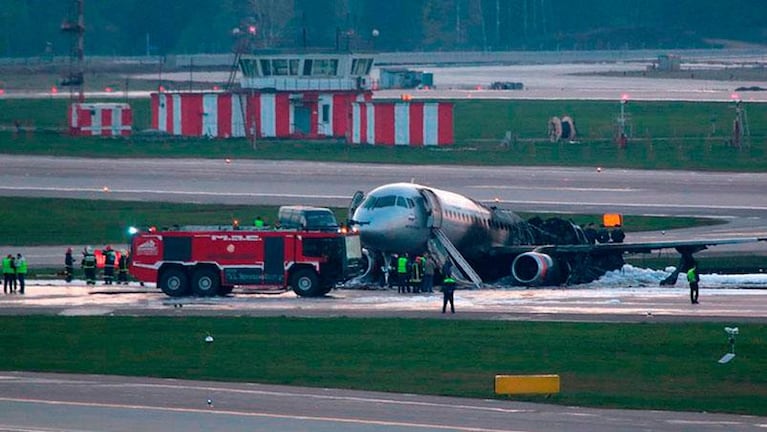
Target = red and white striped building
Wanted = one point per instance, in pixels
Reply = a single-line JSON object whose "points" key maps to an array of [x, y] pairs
{"points": [[265, 115], [402, 123], [304, 96], [101, 119]]}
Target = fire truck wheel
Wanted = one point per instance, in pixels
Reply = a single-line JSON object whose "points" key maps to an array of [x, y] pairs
{"points": [[305, 283], [174, 282], [205, 282]]}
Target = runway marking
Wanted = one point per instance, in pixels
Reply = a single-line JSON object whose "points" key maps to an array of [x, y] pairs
{"points": [[289, 394], [587, 203], [558, 188], [257, 415]]}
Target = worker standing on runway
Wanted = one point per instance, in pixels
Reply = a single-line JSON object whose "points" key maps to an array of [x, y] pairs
{"points": [[693, 279], [122, 268], [428, 273], [21, 271], [69, 265], [402, 274], [8, 274], [448, 291], [109, 265], [89, 266]]}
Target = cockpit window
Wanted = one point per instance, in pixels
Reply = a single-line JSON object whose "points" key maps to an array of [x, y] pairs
{"points": [[401, 202], [370, 202], [386, 201], [410, 203]]}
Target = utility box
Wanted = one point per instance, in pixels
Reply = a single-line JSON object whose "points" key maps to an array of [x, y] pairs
{"points": [[100, 119]]}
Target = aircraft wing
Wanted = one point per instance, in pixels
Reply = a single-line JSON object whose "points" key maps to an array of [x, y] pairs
{"points": [[644, 247]]}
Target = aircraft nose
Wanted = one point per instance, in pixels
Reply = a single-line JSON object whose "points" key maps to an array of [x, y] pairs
{"points": [[390, 233]]}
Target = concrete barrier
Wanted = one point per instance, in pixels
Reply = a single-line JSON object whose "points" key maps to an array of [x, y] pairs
{"points": [[526, 384]]}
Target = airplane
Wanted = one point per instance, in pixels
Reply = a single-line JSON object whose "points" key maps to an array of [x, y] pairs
{"points": [[487, 243]]}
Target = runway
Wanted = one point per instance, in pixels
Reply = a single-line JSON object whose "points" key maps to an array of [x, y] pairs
{"points": [[737, 198], [59, 403]]}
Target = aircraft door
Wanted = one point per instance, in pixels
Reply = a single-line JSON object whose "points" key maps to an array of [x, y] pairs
{"points": [[357, 199], [433, 209]]}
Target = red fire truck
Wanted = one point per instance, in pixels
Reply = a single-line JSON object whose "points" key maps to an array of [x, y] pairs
{"points": [[208, 261]]}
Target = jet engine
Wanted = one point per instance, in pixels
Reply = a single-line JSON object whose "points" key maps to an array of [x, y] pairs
{"points": [[534, 268]]}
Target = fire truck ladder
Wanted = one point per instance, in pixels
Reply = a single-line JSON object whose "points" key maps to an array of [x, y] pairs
{"points": [[442, 249]]}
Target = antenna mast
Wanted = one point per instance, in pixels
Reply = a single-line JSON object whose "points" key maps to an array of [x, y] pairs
{"points": [[74, 25]]}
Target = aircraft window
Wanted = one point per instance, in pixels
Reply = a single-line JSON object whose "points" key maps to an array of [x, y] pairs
{"points": [[386, 201], [401, 202], [410, 203]]}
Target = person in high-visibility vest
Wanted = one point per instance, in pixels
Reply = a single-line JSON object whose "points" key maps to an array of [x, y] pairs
{"points": [[693, 279], [448, 288], [402, 274], [21, 271], [8, 274], [258, 223], [89, 266]]}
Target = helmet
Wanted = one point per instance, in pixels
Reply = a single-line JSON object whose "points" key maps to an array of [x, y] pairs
{"points": [[88, 249], [123, 252], [109, 247]]}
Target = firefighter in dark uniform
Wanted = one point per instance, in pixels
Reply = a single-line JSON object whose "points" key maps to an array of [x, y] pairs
{"points": [[416, 274], [89, 266], [109, 265], [122, 268], [69, 265]]}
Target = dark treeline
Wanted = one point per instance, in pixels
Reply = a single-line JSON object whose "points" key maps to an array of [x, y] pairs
{"points": [[159, 27]]}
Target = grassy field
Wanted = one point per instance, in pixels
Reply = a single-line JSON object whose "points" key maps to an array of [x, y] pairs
{"points": [[54, 221], [657, 366], [669, 135]]}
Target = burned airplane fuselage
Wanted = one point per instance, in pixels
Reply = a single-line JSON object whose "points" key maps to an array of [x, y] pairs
{"points": [[403, 217]]}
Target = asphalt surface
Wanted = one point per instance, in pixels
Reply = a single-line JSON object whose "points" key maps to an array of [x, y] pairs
{"points": [[737, 198], [58, 403]]}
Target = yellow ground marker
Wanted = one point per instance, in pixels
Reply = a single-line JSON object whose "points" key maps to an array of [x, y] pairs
{"points": [[526, 384]]}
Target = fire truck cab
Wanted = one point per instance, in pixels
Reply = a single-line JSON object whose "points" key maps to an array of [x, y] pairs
{"points": [[209, 261]]}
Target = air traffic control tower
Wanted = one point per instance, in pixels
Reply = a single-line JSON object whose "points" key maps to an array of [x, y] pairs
{"points": [[304, 95]]}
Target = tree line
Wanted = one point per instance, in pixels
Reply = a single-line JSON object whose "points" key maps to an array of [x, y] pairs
{"points": [[162, 27]]}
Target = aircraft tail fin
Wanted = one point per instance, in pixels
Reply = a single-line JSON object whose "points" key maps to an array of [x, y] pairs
{"points": [[442, 249]]}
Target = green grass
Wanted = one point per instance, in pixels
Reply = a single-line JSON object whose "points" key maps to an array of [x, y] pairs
{"points": [[655, 366], [668, 135], [58, 221]]}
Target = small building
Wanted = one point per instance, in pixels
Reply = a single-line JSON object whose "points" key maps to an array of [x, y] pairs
{"points": [[402, 123], [217, 114], [669, 63], [307, 95], [101, 119]]}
